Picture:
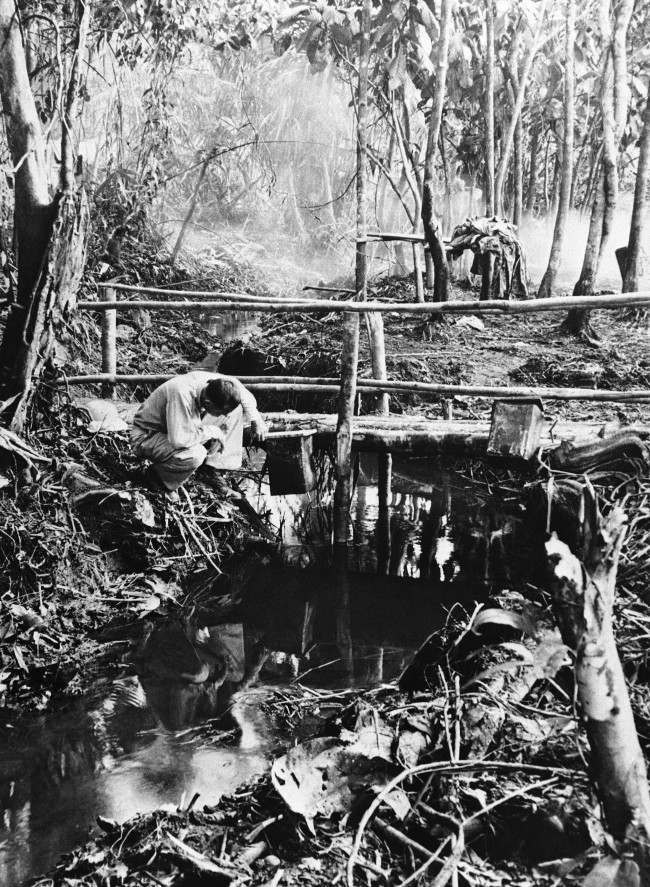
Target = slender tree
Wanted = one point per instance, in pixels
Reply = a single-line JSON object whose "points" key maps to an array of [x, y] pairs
{"points": [[614, 98], [508, 141], [519, 173], [547, 285], [350, 345], [531, 188], [489, 108], [639, 224], [431, 224]]}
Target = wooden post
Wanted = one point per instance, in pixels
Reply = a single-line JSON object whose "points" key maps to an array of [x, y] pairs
{"points": [[109, 341], [428, 264], [350, 345], [375, 328], [417, 272]]}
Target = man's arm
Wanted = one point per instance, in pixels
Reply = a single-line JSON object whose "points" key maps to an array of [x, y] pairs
{"points": [[184, 428]]}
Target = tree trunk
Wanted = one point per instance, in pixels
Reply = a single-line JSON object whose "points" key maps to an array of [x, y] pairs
{"points": [[191, 209], [489, 109], [350, 344], [634, 262], [613, 104], [431, 225], [547, 286], [447, 218], [557, 176], [519, 174], [592, 178], [34, 211], [546, 153], [577, 321], [583, 590], [532, 172], [506, 147], [610, 157], [50, 235]]}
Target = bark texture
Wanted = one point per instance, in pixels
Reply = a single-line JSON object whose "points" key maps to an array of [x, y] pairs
{"points": [[583, 589], [431, 224], [634, 266], [50, 233], [547, 286], [531, 191]]}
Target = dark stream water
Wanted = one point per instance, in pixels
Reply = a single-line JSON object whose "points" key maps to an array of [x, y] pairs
{"points": [[433, 540]]}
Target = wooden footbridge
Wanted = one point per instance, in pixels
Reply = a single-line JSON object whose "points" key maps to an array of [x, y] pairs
{"points": [[381, 431]]}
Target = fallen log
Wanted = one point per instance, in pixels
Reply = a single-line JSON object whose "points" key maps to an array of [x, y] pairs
{"points": [[624, 447], [418, 435]]}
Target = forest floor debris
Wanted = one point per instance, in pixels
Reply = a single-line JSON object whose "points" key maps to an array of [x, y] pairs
{"points": [[359, 804]]}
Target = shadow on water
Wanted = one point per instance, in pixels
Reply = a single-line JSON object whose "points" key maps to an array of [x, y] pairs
{"points": [[421, 544]]}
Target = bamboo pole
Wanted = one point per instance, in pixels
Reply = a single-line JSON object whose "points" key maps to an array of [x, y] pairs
{"points": [[109, 343], [326, 306], [204, 294], [368, 386], [350, 347]]}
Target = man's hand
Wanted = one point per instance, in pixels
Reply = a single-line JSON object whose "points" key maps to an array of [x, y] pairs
{"points": [[215, 445], [258, 429]]}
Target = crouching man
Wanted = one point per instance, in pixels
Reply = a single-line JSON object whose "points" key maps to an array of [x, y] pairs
{"points": [[169, 429]]}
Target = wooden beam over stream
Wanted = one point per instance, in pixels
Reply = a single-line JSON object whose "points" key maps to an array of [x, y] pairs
{"points": [[433, 437]]}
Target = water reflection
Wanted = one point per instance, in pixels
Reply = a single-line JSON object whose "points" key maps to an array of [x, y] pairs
{"points": [[128, 750], [231, 326], [422, 541], [413, 521]]}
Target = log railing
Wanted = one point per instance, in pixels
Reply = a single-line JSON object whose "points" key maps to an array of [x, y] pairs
{"points": [[302, 384], [196, 301], [205, 301]]}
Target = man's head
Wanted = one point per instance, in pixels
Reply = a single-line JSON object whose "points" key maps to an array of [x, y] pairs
{"points": [[220, 396]]}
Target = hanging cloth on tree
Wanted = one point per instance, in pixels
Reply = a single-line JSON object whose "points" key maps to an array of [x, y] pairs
{"points": [[496, 236]]}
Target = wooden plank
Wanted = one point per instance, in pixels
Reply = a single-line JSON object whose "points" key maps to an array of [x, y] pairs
{"points": [[425, 437]]}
